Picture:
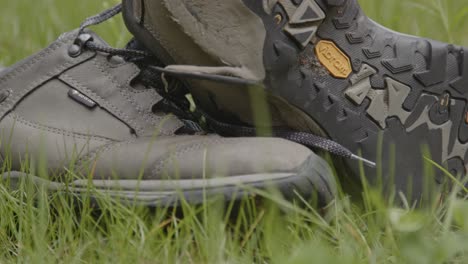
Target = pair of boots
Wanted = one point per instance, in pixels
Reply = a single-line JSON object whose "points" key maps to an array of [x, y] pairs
{"points": [[317, 73]]}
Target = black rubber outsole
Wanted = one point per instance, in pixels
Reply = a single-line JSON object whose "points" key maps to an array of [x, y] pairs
{"points": [[403, 101]]}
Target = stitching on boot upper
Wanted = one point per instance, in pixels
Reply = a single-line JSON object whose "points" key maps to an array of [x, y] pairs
{"points": [[125, 95], [159, 166], [101, 150], [124, 91], [11, 101], [111, 107], [58, 131], [101, 101], [33, 60], [146, 114]]}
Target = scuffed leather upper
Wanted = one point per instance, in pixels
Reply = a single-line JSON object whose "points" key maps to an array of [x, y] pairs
{"points": [[120, 136]]}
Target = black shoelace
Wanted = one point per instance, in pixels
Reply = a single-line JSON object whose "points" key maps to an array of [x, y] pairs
{"points": [[85, 41]]}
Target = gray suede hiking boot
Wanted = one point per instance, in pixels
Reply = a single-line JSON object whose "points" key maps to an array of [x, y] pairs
{"points": [[79, 114], [390, 98]]}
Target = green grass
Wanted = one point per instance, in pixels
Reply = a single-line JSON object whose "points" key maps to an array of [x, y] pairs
{"points": [[39, 228]]}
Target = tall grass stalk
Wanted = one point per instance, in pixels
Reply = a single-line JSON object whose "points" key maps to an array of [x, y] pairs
{"points": [[39, 227]]}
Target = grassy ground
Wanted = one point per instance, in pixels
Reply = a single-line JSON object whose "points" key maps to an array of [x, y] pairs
{"points": [[38, 228]]}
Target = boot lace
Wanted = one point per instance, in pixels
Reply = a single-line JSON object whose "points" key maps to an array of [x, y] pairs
{"points": [[174, 104]]}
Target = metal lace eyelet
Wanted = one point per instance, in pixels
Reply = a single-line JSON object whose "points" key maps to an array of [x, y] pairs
{"points": [[76, 48], [74, 51]]}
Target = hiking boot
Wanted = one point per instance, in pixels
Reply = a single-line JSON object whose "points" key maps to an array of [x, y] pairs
{"points": [[75, 113], [395, 100]]}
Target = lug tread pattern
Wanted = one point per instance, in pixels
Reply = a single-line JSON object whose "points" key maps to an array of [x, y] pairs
{"points": [[460, 84], [304, 20], [433, 80], [397, 103], [348, 14], [399, 98], [437, 66], [404, 59]]}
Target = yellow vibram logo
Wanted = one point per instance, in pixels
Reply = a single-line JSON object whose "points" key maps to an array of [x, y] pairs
{"points": [[333, 59]]}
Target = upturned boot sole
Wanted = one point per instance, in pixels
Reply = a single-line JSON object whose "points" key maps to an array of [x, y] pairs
{"points": [[395, 99]]}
